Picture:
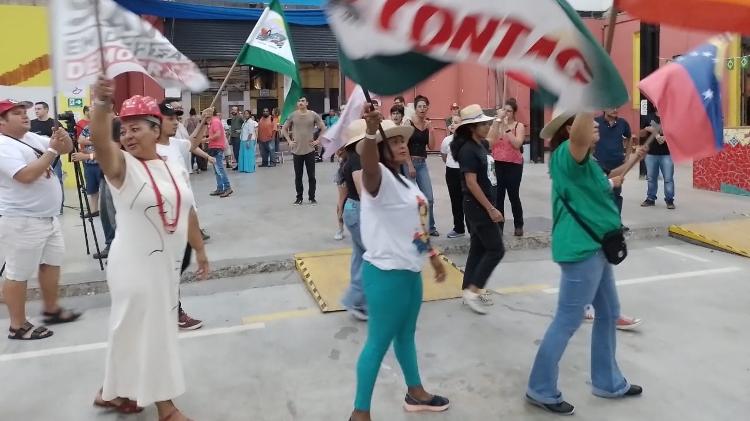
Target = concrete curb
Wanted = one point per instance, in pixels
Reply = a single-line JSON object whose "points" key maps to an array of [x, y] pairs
{"points": [[240, 267]]}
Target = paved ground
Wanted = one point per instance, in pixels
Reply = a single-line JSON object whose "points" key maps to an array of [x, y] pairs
{"points": [[268, 354], [259, 223]]}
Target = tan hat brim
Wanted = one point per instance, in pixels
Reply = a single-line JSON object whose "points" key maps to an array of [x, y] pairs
{"points": [[405, 131], [481, 119], [548, 132]]}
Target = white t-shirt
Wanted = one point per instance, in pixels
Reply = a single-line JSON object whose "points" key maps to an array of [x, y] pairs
{"points": [[178, 150], [445, 149], [248, 130], [43, 197], [182, 132], [394, 225]]}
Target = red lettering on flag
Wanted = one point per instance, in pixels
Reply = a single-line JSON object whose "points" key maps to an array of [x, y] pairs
{"points": [[468, 31], [389, 9], [424, 14], [542, 48], [515, 30], [572, 62]]}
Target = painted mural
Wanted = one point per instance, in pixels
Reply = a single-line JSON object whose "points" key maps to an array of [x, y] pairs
{"points": [[729, 171]]}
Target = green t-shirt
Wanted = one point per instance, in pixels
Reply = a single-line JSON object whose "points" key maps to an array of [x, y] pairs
{"points": [[589, 193]]}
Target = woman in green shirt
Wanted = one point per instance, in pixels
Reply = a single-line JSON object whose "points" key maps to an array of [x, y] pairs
{"points": [[587, 276]]}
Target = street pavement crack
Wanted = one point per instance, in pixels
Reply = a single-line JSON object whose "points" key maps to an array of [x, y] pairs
{"points": [[522, 310]]}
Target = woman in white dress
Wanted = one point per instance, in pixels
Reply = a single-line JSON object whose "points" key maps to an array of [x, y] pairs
{"points": [[155, 217]]}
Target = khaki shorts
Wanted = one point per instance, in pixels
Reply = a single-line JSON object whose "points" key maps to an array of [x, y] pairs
{"points": [[27, 242]]}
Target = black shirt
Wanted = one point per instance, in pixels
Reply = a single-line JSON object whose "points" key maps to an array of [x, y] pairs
{"points": [[42, 128], [656, 148], [351, 165], [472, 158], [418, 141]]}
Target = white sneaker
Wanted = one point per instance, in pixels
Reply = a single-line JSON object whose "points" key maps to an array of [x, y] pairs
{"points": [[472, 300], [339, 235], [485, 297]]}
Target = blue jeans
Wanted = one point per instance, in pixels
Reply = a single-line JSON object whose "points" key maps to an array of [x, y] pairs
{"points": [[588, 281], [107, 213], [222, 180], [354, 297], [654, 164], [267, 155], [424, 183]]}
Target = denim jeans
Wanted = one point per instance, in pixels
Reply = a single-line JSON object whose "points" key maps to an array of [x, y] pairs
{"points": [[59, 172], [354, 297], [222, 180], [581, 283], [655, 164], [267, 155], [107, 213], [424, 183]]}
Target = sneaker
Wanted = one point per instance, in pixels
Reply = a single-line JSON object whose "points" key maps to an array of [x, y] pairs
{"points": [[628, 323], [227, 193], [298, 202], [339, 235], [102, 254], [205, 236], [485, 298], [634, 390], [648, 203], [562, 408], [360, 315], [434, 233], [313, 202], [454, 234], [186, 322], [472, 300], [216, 192], [436, 404], [670, 205]]}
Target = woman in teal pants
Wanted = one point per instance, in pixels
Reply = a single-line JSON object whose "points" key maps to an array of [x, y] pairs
{"points": [[394, 218]]}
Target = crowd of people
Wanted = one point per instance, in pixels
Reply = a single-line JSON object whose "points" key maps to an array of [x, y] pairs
{"points": [[137, 165]]}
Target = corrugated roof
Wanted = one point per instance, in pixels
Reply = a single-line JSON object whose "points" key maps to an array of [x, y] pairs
{"points": [[211, 39]]}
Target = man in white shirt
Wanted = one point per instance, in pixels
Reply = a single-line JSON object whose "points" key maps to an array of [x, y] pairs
{"points": [[173, 149], [30, 234]]}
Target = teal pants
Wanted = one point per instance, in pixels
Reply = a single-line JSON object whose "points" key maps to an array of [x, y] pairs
{"points": [[394, 298]]}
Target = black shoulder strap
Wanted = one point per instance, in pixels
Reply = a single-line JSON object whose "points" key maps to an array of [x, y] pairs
{"points": [[36, 151], [575, 215]]}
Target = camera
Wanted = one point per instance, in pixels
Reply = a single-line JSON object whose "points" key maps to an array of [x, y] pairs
{"points": [[70, 122]]}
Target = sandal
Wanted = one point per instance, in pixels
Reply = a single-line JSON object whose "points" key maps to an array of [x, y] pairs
{"points": [[60, 316], [27, 332], [125, 407], [172, 414]]}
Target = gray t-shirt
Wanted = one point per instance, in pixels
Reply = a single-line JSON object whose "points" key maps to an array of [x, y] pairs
{"points": [[302, 130]]}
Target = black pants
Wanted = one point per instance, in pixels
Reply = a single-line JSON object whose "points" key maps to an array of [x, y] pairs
{"points": [[236, 150], [185, 263], [301, 161], [453, 180], [617, 195], [486, 249], [509, 179]]}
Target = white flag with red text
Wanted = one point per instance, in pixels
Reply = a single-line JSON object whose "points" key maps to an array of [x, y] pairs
{"points": [[129, 44]]}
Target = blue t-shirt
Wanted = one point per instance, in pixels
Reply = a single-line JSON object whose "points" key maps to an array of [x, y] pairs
{"points": [[610, 151]]}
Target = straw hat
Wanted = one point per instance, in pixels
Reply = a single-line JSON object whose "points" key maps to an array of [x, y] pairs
{"points": [[355, 132], [473, 114], [391, 129], [559, 117]]}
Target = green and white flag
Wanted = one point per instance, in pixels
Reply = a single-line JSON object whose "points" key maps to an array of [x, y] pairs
{"points": [[269, 46], [389, 46]]}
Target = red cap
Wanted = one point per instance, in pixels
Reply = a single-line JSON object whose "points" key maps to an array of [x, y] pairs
{"points": [[140, 106], [8, 104]]}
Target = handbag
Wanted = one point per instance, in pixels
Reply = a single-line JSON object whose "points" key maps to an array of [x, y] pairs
{"points": [[613, 243]]}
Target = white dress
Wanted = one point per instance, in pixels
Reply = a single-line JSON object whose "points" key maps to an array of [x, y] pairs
{"points": [[143, 274]]}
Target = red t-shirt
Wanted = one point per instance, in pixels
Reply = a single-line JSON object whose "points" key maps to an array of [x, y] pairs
{"points": [[80, 126], [216, 126]]}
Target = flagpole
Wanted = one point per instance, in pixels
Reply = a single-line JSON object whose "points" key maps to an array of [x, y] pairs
{"points": [[611, 29], [369, 101], [226, 78], [99, 37]]}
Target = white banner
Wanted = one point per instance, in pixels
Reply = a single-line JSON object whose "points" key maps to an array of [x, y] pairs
{"points": [[130, 44], [333, 138]]}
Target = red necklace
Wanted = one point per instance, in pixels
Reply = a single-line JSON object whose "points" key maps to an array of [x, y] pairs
{"points": [[170, 227]]}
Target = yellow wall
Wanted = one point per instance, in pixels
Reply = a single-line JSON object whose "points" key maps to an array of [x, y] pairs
{"points": [[23, 30], [734, 85], [636, 94]]}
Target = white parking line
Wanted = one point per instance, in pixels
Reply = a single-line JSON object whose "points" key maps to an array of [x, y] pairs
{"points": [[683, 254], [102, 345], [667, 277]]}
